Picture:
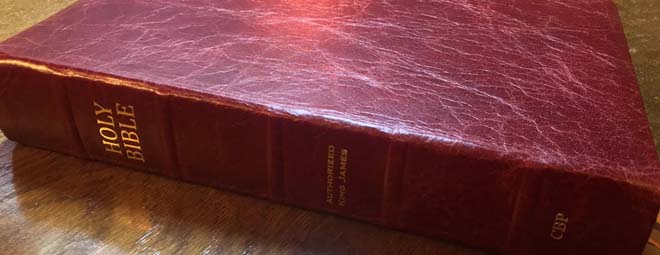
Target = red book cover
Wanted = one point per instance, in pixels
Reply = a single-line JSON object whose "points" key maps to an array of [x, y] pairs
{"points": [[514, 126]]}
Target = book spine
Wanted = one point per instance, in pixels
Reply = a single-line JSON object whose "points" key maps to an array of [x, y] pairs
{"points": [[568, 213], [436, 188], [34, 109]]}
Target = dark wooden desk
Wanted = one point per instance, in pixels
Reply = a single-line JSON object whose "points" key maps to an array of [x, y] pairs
{"points": [[54, 204]]}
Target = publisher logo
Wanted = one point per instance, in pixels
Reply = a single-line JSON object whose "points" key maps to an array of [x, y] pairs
{"points": [[559, 227]]}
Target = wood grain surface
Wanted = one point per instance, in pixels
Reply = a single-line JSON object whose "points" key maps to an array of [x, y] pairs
{"points": [[55, 204]]}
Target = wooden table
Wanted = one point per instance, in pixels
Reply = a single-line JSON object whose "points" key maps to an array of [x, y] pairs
{"points": [[55, 204]]}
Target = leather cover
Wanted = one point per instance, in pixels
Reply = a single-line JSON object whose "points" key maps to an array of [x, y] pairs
{"points": [[515, 126]]}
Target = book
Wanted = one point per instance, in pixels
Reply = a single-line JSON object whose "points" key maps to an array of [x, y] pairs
{"points": [[515, 127]]}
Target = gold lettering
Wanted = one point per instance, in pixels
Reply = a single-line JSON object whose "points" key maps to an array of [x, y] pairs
{"points": [[111, 121], [129, 136], [107, 112], [112, 147], [330, 175], [101, 110], [134, 155], [343, 168], [559, 227], [343, 162], [127, 110], [127, 130], [136, 147], [104, 133], [132, 126]]}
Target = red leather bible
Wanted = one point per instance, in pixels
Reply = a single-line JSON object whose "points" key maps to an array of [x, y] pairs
{"points": [[514, 126]]}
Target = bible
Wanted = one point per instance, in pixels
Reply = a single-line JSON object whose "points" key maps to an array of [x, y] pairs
{"points": [[511, 126]]}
